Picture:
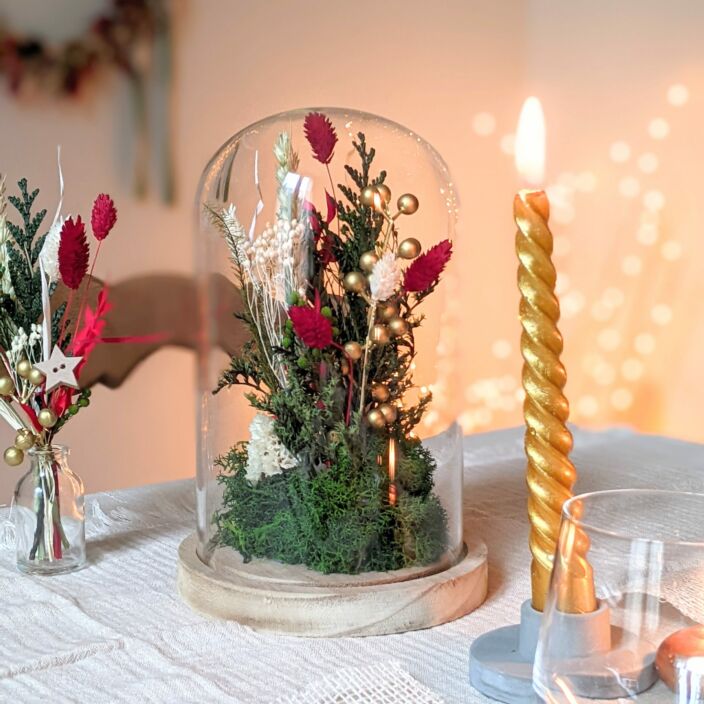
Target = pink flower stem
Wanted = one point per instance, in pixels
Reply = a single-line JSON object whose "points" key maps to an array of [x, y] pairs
{"points": [[84, 301], [334, 195]]}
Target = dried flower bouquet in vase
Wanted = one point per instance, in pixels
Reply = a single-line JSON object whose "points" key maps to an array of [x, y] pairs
{"points": [[334, 475], [43, 348]]}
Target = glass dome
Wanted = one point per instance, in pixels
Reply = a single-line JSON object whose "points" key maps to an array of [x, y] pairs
{"points": [[327, 426]]}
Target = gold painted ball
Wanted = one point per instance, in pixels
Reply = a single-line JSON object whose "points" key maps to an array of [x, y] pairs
{"points": [[367, 196], [376, 419], [389, 412], [24, 368], [354, 350], [380, 334], [409, 248], [36, 378], [398, 327], [386, 311], [47, 418], [355, 281], [14, 456], [407, 204], [7, 386], [384, 192], [24, 439], [368, 261], [380, 392]]}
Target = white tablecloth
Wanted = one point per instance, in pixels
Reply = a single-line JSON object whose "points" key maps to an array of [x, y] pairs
{"points": [[117, 631]]}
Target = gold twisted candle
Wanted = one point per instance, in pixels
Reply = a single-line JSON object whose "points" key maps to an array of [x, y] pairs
{"points": [[548, 442]]}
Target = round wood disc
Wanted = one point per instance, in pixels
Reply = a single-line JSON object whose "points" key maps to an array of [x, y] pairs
{"points": [[294, 600]]}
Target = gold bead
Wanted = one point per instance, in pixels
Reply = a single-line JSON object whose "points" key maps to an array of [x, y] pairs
{"points": [[14, 456], [376, 419], [407, 204], [355, 282], [380, 392], [386, 311], [367, 261], [380, 334], [368, 195], [409, 248], [398, 327], [384, 193], [389, 412], [7, 386], [47, 418], [354, 350], [24, 367], [36, 378], [24, 439]]}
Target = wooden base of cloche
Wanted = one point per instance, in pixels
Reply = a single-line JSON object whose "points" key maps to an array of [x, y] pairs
{"points": [[294, 600]]}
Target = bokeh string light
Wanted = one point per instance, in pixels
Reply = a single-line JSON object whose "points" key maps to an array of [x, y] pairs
{"points": [[619, 327]]}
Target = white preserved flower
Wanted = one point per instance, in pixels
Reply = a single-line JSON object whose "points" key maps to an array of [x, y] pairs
{"points": [[385, 277], [35, 334], [50, 251], [266, 454]]}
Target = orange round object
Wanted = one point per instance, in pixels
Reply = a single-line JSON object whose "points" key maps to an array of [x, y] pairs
{"points": [[677, 647]]}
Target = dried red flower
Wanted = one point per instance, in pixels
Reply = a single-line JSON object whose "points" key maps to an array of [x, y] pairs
{"points": [[321, 135], [103, 216], [73, 253], [426, 269], [311, 325]]}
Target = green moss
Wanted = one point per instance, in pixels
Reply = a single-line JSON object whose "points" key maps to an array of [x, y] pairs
{"points": [[337, 519]]}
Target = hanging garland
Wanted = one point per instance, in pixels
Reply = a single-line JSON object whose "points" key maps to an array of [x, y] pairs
{"points": [[132, 36]]}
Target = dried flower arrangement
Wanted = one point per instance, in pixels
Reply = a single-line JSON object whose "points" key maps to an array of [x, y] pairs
{"points": [[333, 476], [42, 351]]}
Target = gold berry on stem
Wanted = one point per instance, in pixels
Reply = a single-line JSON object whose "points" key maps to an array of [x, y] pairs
{"points": [[407, 204], [7, 386], [409, 248], [389, 412], [355, 281], [380, 392], [376, 419], [368, 196], [354, 350], [24, 439], [384, 193], [36, 377], [380, 334], [398, 327], [386, 311], [24, 368], [367, 261], [14, 456], [47, 418]]}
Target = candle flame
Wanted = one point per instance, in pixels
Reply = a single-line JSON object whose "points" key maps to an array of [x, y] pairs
{"points": [[530, 142]]}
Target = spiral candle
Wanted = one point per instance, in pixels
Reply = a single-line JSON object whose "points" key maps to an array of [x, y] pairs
{"points": [[548, 442]]}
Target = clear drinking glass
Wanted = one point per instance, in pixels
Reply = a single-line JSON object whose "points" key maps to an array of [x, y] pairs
{"points": [[49, 515], [644, 551]]}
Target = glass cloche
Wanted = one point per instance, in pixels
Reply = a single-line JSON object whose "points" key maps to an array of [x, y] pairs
{"points": [[328, 443]]}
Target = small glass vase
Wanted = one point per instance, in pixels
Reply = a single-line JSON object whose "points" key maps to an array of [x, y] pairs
{"points": [[49, 515]]}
